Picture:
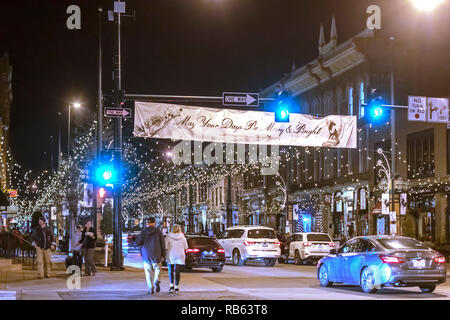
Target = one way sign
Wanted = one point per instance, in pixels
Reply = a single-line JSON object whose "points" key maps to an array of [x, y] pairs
{"points": [[240, 99], [118, 113]]}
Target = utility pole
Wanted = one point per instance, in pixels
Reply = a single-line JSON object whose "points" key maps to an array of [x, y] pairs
{"points": [[229, 203], [117, 202], [393, 133], [100, 109], [59, 140]]}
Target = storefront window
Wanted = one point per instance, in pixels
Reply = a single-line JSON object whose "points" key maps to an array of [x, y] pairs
{"points": [[421, 154], [425, 212], [338, 202]]}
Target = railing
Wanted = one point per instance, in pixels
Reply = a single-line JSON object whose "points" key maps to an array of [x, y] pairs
{"points": [[17, 247]]}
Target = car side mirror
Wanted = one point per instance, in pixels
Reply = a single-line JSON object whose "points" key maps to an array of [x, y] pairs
{"points": [[333, 251]]}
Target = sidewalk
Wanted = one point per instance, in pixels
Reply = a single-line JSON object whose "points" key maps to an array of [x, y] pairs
{"points": [[106, 285]]}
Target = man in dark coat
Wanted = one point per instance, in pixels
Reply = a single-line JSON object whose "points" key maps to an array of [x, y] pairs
{"points": [[44, 242], [153, 249]]}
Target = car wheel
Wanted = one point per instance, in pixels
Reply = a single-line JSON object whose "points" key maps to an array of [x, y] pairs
{"points": [[217, 269], [297, 259], [237, 260], [324, 277], [270, 262], [427, 289], [368, 281]]}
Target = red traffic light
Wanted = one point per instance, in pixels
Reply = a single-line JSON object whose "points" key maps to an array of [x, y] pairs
{"points": [[105, 192]]}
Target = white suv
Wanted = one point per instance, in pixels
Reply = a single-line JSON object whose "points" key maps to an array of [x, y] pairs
{"points": [[243, 243], [309, 246]]}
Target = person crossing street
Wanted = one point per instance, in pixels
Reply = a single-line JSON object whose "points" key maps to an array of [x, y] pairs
{"points": [[151, 242], [176, 245]]}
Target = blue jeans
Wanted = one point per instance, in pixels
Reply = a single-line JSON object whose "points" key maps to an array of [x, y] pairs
{"points": [[174, 273]]}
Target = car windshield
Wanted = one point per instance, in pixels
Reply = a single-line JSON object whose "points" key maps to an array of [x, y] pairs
{"points": [[202, 242], [318, 237], [261, 233], [402, 244]]}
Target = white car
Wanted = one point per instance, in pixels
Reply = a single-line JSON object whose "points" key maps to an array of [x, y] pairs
{"points": [[309, 246], [243, 243]]}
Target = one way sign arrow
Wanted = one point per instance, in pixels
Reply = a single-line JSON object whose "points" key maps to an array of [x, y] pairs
{"points": [[118, 113], [240, 99]]}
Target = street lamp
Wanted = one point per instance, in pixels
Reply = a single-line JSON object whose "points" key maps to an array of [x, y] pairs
{"points": [[427, 5], [76, 105]]}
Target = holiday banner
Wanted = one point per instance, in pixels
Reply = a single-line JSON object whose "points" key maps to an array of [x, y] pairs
{"points": [[178, 122]]}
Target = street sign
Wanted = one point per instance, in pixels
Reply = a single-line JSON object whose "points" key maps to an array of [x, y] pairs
{"points": [[118, 112], [240, 99], [119, 7], [437, 110], [417, 108]]}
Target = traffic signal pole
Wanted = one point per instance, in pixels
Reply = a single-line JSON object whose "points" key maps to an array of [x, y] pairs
{"points": [[393, 133], [117, 202], [100, 111]]}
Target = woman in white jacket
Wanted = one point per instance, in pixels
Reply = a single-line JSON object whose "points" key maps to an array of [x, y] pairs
{"points": [[176, 245]]}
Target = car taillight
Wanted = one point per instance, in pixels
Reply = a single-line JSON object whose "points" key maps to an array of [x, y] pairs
{"points": [[277, 243], [391, 259], [440, 259], [192, 250], [220, 251], [249, 243], [331, 244], [307, 244]]}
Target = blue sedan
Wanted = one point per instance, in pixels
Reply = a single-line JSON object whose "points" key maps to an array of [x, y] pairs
{"points": [[373, 262]]}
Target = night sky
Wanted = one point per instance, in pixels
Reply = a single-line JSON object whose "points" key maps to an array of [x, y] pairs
{"points": [[180, 47]]}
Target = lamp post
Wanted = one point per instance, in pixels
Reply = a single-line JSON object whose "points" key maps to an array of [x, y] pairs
{"points": [[75, 105], [284, 190], [389, 181]]}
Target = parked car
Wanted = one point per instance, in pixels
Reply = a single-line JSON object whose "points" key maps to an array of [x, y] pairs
{"points": [[373, 262], [244, 243], [307, 247], [131, 239], [204, 252]]}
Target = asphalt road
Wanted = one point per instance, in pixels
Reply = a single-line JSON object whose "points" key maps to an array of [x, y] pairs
{"points": [[289, 282]]}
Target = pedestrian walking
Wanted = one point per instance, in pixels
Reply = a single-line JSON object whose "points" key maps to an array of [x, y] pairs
{"points": [[77, 256], [151, 242], [87, 241], [176, 246], [44, 242]]}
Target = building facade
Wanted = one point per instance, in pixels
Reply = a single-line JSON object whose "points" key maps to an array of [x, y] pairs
{"points": [[5, 107], [338, 190]]}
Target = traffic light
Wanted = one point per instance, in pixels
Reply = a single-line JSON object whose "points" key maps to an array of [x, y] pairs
{"points": [[105, 192], [375, 109], [283, 106], [105, 174], [121, 98]]}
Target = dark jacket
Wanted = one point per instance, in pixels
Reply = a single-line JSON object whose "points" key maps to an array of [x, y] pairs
{"points": [[88, 242], [152, 244], [43, 237]]}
